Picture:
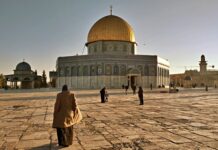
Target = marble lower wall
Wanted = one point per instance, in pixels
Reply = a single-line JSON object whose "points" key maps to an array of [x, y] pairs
{"points": [[97, 82], [163, 81]]}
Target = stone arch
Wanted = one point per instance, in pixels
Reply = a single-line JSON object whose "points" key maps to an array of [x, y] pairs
{"points": [[133, 71]]}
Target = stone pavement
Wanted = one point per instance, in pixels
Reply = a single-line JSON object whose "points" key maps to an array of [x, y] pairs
{"points": [[187, 120]]}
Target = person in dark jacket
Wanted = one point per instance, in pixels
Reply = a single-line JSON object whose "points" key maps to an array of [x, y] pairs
{"points": [[140, 94], [102, 92], [151, 87], [106, 96], [126, 89]]}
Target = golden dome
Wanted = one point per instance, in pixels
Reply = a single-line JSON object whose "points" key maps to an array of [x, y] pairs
{"points": [[111, 28]]}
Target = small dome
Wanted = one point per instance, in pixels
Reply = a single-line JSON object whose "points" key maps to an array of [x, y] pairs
{"points": [[23, 66], [111, 28]]}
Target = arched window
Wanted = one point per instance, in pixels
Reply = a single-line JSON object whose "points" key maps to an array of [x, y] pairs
{"points": [[73, 71], [108, 69], [139, 67], [146, 73], [85, 70], [95, 48], [67, 71], [152, 70], [116, 70], [92, 70], [79, 71], [99, 70], [123, 70], [61, 72]]}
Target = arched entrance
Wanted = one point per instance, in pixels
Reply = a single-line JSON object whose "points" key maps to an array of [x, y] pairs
{"points": [[134, 77], [26, 83]]}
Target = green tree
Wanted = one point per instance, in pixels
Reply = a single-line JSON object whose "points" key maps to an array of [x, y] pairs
{"points": [[44, 79]]}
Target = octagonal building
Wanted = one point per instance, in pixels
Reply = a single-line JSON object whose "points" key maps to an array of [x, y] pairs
{"points": [[111, 60]]}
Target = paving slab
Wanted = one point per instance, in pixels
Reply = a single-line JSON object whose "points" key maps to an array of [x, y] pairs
{"points": [[185, 120]]}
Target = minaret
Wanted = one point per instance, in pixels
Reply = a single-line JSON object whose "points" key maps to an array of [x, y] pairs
{"points": [[203, 65], [111, 9]]}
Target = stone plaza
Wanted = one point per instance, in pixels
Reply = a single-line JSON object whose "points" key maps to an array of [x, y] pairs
{"points": [[187, 120]]}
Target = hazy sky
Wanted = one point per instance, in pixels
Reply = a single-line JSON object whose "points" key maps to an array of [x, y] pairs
{"points": [[39, 31]]}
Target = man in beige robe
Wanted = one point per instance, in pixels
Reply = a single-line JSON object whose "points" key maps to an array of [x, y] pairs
{"points": [[64, 111]]}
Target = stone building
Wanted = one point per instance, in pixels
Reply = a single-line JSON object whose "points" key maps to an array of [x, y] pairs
{"points": [[195, 78], [23, 77], [111, 60]]}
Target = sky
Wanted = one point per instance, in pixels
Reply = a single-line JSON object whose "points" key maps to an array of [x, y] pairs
{"points": [[40, 31]]}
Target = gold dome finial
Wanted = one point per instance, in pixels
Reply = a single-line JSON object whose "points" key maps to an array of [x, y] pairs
{"points": [[111, 7]]}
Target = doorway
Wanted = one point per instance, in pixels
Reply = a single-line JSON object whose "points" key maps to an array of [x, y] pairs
{"points": [[132, 81]]}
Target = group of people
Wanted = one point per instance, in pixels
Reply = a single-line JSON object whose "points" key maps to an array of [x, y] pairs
{"points": [[67, 113], [104, 94]]}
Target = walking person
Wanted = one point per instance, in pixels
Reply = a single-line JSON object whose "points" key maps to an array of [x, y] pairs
{"points": [[126, 89], [106, 95], [65, 113], [151, 86], [206, 88], [102, 93], [134, 89], [140, 94]]}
